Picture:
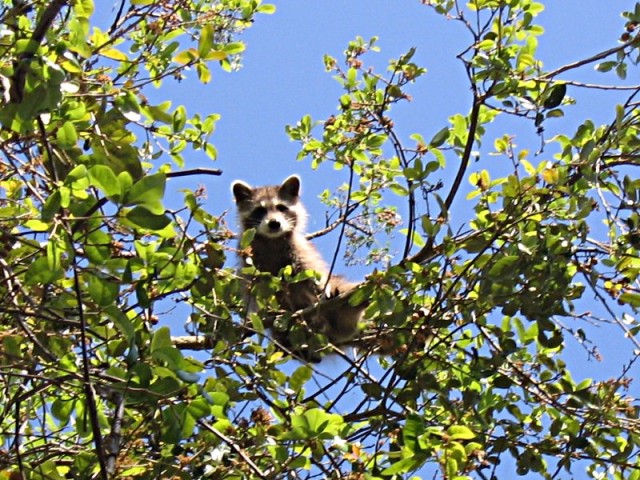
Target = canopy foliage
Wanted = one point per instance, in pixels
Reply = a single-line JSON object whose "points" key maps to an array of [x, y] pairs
{"points": [[477, 318]]}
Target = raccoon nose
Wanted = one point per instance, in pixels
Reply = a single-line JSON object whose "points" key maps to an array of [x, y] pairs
{"points": [[274, 225]]}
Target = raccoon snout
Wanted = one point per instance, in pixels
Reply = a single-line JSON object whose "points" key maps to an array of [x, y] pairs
{"points": [[274, 225]]}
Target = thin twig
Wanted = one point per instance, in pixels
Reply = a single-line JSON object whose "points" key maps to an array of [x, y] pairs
{"points": [[116, 21], [194, 171], [342, 230], [586, 61], [235, 447], [342, 219]]}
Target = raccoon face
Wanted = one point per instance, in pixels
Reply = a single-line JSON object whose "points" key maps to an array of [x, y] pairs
{"points": [[273, 211], [270, 219]]}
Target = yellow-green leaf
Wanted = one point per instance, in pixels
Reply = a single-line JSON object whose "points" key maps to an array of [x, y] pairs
{"points": [[114, 54]]}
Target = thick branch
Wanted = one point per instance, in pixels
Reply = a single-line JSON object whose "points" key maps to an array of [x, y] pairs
{"points": [[193, 342], [112, 444]]}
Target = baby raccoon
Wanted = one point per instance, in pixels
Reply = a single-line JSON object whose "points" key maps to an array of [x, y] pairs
{"points": [[278, 217]]}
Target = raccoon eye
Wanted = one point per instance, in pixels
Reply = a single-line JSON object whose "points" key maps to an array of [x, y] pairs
{"points": [[282, 208], [259, 212]]}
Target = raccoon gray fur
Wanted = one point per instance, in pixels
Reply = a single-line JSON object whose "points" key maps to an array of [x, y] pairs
{"points": [[279, 220]]}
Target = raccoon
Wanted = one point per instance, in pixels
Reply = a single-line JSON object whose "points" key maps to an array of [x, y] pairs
{"points": [[279, 220]]}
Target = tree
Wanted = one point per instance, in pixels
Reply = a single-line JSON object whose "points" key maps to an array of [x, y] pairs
{"points": [[462, 368]]}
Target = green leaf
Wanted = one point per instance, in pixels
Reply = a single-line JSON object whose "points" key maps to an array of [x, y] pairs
{"points": [[26, 45], [51, 206], [102, 290], [215, 55], [77, 173], [104, 179], [121, 321], [219, 398], [66, 136], [629, 298], [233, 48], [606, 66], [502, 265], [83, 8], [143, 218], [247, 237], [413, 428], [125, 180], [39, 272], [128, 105], [204, 74], [199, 408], [185, 57], [174, 422], [114, 54], [62, 409], [36, 225], [179, 118], [158, 112], [375, 141], [188, 377], [399, 189], [404, 465], [555, 96], [460, 432], [319, 421], [205, 43], [439, 138], [266, 9], [135, 471], [429, 227], [161, 339], [299, 377], [148, 192]]}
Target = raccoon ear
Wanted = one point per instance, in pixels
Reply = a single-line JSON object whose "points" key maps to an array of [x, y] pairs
{"points": [[291, 187], [241, 191]]}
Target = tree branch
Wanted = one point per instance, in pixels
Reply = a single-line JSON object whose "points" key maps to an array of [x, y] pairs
{"points": [[112, 443], [194, 171], [343, 218], [193, 342], [580, 63], [86, 377], [426, 251], [23, 60], [235, 447]]}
